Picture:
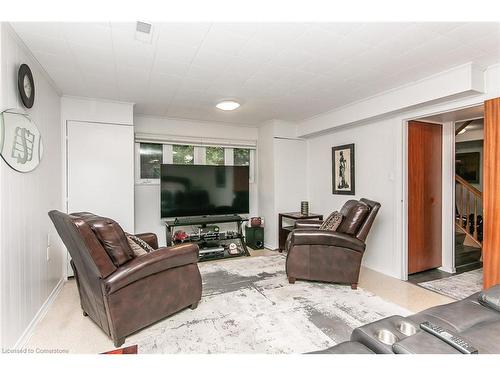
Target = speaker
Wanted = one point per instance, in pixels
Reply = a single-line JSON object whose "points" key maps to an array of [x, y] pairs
{"points": [[254, 237]]}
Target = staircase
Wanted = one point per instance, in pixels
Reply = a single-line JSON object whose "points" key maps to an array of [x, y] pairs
{"points": [[468, 225]]}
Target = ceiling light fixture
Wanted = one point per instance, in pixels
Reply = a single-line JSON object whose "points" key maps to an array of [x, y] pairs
{"points": [[228, 105], [462, 131]]}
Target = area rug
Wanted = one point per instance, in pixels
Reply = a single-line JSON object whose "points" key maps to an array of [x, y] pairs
{"points": [[248, 306], [457, 287]]}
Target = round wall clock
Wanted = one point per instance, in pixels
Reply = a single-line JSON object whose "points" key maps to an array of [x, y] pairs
{"points": [[26, 85]]}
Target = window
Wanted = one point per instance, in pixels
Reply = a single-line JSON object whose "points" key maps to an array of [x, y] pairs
{"points": [[241, 156], [183, 154], [215, 156], [151, 156]]}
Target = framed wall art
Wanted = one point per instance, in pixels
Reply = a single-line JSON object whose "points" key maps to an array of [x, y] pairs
{"points": [[20, 141], [343, 176]]}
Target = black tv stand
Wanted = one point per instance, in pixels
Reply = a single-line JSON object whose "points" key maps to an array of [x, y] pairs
{"points": [[211, 248]]}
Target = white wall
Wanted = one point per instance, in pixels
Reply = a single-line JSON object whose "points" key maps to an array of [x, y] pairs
{"points": [[147, 197], [381, 159], [376, 167], [89, 110], [266, 184], [27, 277], [282, 174]]}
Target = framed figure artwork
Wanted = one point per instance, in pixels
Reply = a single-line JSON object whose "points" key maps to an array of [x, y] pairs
{"points": [[343, 170]]}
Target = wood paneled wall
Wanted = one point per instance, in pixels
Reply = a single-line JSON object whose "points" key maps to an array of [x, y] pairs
{"points": [[491, 193]]}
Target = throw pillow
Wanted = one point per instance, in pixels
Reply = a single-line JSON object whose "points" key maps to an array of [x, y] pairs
{"points": [[332, 222], [138, 242], [112, 238], [138, 251]]}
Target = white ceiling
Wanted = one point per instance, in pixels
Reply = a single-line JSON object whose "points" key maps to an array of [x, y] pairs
{"points": [[287, 71]]}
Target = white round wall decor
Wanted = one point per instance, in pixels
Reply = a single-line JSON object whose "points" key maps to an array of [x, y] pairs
{"points": [[20, 141]]}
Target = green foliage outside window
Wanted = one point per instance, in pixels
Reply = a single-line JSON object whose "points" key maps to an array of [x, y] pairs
{"points": [[183, 154], [215, 156], [241, 156]]}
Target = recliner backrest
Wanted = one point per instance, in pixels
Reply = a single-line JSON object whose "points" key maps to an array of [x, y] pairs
{"points": [[353, 215], [90, 262], [368, 222], [110, 235]]}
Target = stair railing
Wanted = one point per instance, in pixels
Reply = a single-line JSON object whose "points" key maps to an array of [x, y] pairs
{"points": [[469, 199]]}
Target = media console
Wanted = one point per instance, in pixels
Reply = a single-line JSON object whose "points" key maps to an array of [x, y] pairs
{"points": [[213, 244]]}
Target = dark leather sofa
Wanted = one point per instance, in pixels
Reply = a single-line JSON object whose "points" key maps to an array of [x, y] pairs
{"points": [[331, 256], [120, 292], [472, 319]]}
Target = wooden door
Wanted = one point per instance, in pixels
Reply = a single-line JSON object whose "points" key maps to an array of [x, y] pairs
{"points": [[424, 196], [491, 193]]}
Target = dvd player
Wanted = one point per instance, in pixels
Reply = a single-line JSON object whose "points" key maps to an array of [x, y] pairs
{"points": [[210, 250]]}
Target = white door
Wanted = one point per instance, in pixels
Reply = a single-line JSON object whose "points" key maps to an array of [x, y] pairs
{"points": [[100, 171]]}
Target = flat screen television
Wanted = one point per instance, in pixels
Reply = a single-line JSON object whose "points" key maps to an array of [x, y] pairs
{"points": [[200, 190]]}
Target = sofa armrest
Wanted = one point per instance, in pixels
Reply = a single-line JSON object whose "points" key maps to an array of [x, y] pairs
{"points": [[149, 238], [149, 264], [308, 224], [326, 238]]}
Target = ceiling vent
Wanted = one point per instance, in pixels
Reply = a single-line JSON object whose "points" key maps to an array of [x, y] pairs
{"points": [[144, 32], [143, 27]]}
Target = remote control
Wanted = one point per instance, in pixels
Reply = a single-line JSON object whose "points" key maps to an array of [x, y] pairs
{"points": [[449, 338]]}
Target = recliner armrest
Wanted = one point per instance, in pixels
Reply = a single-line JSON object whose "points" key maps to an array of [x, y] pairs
{"points": [[308, 224], [149, 264], [326, 238], [149, 238]]}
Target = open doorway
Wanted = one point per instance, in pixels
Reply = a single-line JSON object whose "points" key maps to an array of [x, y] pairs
{"points": [[459, 274], [469, 179]]}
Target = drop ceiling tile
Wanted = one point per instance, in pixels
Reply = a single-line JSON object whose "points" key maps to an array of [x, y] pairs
{"points": [[219, 41], [41, 29], [166, 81], [277, 70], [170, 67], [134, 54], [259, 50], [195, 84], [188, 33], [291, 58], [242, 29], [490, 43], [45, 44], [439, 27], [339, 28], [372, 34], [176, 52], [408, 39], [87, 33], [469, 32], [56, 61]]}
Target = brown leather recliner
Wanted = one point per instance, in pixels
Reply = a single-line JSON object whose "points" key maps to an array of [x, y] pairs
{"points": [[331, 256], [120, 292]]}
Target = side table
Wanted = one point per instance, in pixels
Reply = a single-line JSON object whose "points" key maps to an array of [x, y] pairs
{"points": [[284, 231]]}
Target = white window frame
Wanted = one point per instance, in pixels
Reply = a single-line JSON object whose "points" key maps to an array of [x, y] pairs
{"points": [[200, 154]]}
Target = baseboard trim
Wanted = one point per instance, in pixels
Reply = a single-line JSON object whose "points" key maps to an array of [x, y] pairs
{"points": [[447, 269], [28, 332]]}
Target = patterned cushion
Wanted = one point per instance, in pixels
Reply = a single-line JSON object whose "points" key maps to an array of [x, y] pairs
{"points": [[138, 243], [138, 251], [332, 222]]}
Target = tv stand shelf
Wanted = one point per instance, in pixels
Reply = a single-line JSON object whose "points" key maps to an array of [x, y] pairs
{"points": [[237, 237], [204, 220]]}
